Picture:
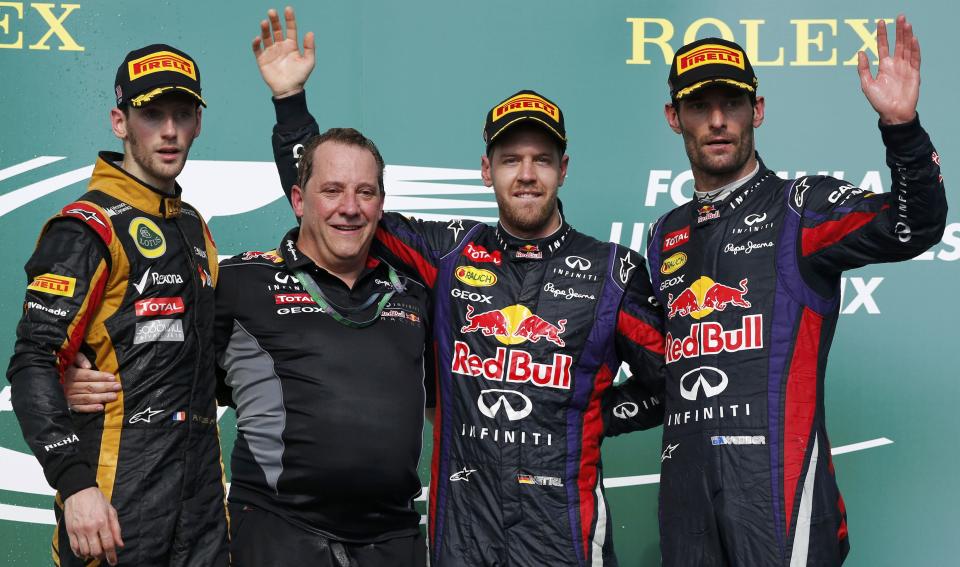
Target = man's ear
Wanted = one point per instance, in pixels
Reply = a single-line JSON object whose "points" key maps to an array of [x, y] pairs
{"points": [[672, 116]]}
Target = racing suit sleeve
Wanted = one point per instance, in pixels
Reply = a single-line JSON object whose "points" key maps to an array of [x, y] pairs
{"points": [[228, 298], [294, 128], [846, 227], [637, 403], [67, 275]]}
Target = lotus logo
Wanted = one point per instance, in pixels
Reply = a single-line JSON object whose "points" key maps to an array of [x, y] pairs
{"points": [[506, 399], [700, 379], [576, 262], [626, 410]]}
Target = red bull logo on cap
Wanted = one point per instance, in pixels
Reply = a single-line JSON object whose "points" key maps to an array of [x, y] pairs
{"points": [[514, 325], [705, 295]]}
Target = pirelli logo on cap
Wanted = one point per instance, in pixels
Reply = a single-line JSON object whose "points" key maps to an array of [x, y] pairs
{"points": [[526, 102], [709, 54], [54, 284], [160, 61]]}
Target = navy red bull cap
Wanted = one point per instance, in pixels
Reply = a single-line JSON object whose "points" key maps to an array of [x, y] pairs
{"points": [[154, 70], [524, 107], [708, 61]]}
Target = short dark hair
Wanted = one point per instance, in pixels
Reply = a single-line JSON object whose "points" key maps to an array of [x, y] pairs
{"points": [[345, 136]]}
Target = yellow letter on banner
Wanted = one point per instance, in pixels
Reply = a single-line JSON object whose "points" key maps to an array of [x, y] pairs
{"points": [[804, 41], [640, 38], [56, 27], [691, 34], [869, 39], [5, 25], [753, 45]]}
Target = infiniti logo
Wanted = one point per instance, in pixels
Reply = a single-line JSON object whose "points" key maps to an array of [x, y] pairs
{"points": [[701, 380], [753, 219], [282, 278], [626, 410], [577, 262], [503, 398]]}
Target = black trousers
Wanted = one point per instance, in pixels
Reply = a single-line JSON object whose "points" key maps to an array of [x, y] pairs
{"points": [[261, 539]]}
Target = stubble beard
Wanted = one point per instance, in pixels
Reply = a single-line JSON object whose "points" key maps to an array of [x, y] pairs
{"points": [[723, 166], [148, 161], [528, 220]]}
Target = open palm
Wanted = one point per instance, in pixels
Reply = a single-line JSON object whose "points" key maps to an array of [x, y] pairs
{"points": [[283, 67], [894, 92]]}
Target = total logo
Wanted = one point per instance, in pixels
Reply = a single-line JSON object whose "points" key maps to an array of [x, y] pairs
{"points": [[515, 405], [514, 325], [159, 306], [676, 238], [704, 296], [480, 254]]}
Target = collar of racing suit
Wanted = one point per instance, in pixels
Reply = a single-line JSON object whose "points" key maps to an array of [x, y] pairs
{"points": [[705, 210], [525, 250], [114, 180], [297, 260]]}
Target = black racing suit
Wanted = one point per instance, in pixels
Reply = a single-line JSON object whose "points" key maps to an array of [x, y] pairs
{"points": [[329, 417], [751, 287], [126, 275], [529, 338]]}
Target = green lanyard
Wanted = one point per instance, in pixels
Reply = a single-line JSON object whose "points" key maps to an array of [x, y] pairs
{"points": [[326, 305]]}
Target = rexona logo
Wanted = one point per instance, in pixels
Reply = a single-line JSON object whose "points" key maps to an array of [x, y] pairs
{"points": [[476, 277], [514, 325], [513, 366], [712, 338], [705, 295], [54, 284], [148, 237]]}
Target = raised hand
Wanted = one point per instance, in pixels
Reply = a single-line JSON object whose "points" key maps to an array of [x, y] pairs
{"points": [[895, 90], [282, 66]]}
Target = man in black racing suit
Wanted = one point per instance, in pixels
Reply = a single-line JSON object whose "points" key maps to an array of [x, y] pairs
{"points": [[532, 320], [749, 274], [125, 275]]}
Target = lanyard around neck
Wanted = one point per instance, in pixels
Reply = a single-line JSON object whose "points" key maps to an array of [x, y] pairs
{"points": [[326, 306]]}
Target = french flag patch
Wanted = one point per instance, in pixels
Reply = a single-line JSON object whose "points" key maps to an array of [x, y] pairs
{"points": [[179, 416]]}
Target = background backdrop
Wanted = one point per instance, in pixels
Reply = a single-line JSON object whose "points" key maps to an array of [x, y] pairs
{"points": [[417, 77]]}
